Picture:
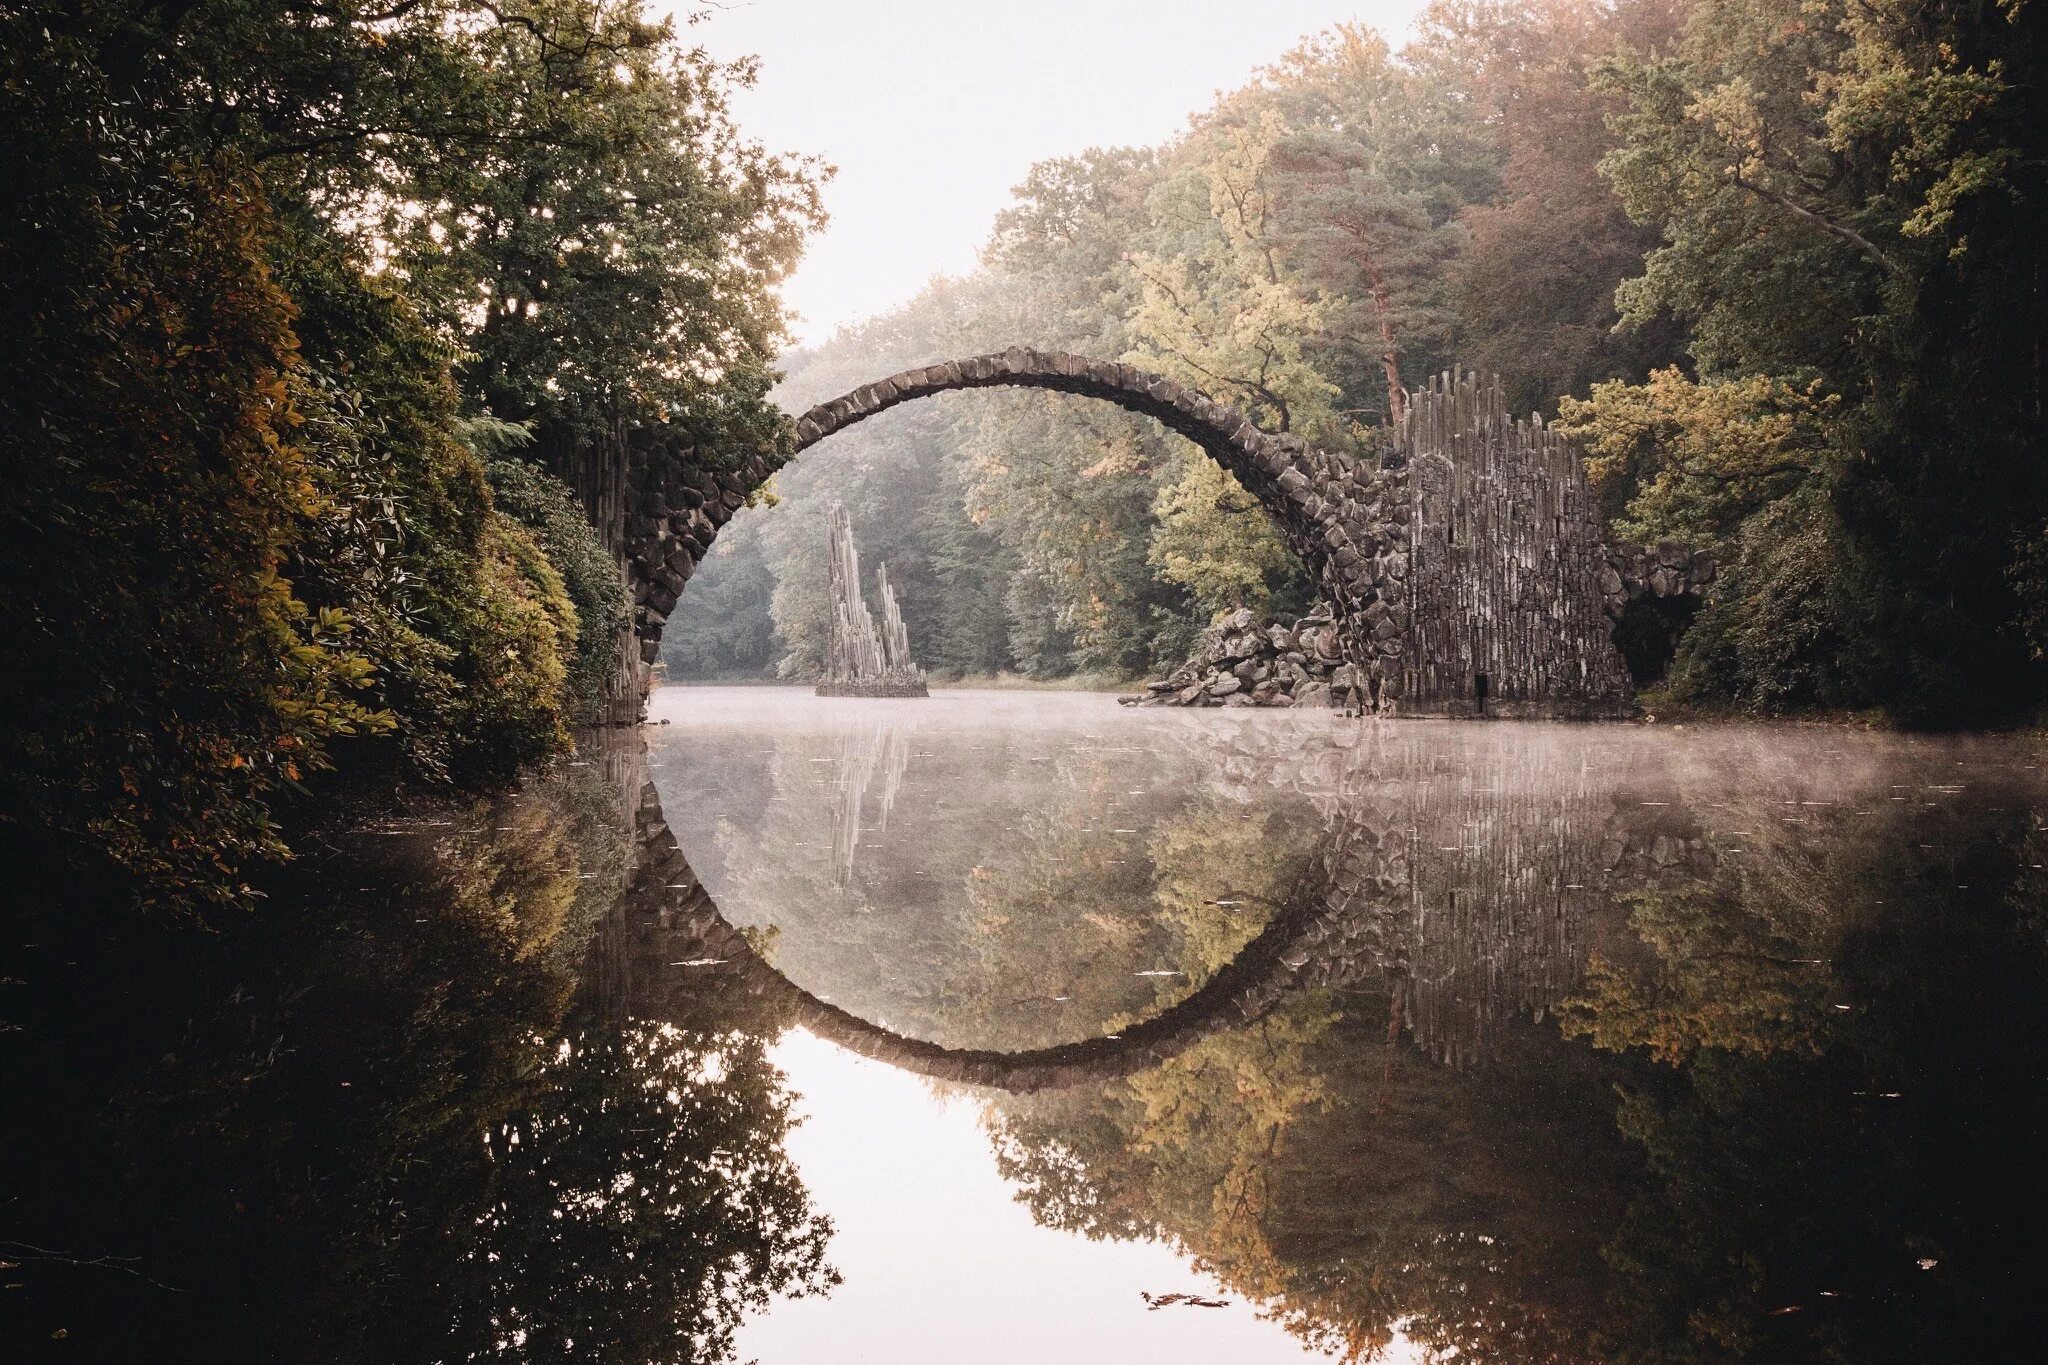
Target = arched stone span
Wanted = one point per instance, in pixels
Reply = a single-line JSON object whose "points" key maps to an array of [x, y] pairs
{"points": [[1338, 515], [1467, 572]]}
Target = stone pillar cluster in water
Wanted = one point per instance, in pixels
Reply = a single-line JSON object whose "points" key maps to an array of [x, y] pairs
{"points": [[862, 659]]}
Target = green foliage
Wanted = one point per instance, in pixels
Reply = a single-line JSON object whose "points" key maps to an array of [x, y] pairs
{"points": [[616, 255], [1692, 462], [1841, 195], [545, 506], [169, 680], [247, 543], [456, 604], [1213, 539], [1773, 638], [1738, 467], [722, 627]]}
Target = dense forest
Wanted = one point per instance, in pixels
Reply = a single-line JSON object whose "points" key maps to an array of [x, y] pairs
{"points": [[295, 289], [288, 286], [1773, 264]]}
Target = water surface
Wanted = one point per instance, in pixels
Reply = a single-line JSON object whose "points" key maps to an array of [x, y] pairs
{"points": [[1021, 1026]]}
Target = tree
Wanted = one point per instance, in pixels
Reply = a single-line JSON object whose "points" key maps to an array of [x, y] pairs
{"points": [[1841, 195], [256, 240], [612, 253]]}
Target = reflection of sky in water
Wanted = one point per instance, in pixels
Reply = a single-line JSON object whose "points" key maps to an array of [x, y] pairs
{"points": [[942, 1264], [1008, 870]]}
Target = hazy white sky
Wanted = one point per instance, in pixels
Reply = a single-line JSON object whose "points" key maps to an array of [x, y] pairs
{"points": [[932, 111]]}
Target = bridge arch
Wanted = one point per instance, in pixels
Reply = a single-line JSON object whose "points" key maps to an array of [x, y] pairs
{"points": [[1333, 512]]}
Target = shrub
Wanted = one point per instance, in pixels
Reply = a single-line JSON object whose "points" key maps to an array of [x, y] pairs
{"points": [[590, 577], [165, 679]]}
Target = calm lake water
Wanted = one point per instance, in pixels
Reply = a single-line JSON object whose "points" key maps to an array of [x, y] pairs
{"points": [[1022, 1027]]}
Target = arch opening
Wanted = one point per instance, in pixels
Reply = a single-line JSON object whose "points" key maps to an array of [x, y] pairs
{"points": [[1311, 495]]}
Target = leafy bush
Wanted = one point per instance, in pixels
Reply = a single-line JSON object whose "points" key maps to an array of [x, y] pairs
{"points": [[468, 623], [1690, 461], [1770, 638], [545, 506], [165, 678]]}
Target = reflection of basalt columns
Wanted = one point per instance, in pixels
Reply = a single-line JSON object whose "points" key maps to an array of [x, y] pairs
{"points": [[860, 660], [883, 752]]}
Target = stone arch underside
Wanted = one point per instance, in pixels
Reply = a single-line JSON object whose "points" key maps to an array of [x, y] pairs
{"points": [[1343, 517]]}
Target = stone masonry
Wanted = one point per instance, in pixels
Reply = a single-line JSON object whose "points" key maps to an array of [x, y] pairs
{"points": [[1499, 597], [1463, 569]]}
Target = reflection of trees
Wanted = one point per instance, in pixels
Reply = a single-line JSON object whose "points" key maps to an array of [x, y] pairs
{"points": [[1351, 1187], [1102, 912], [343, 1129], [1806, 1158], [1318, 1160], [982, 924], [1822, 1007], [640, 1206]]}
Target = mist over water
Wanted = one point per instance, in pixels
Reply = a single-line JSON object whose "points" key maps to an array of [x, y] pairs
{"points": [[1007, 1025]]}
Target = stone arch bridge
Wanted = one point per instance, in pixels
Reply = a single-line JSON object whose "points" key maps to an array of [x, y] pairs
{"points": [[1464, 565]]}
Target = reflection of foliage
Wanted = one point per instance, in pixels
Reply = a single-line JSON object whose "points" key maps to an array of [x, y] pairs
{"points": [[1214, 1116], [1738, 958], [1867, 1191], [315, 1121], [1353, 1191], [994, 928], [1726, 977], [1217, 852], [1179, 1152], [641, 1206]]}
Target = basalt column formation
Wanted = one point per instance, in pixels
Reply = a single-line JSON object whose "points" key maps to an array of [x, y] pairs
{"points": [[1488, 592], [1507, 603], [861, 659]]}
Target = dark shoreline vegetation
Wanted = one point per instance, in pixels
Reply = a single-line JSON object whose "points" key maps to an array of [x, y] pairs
{"points": [[289, 288]]}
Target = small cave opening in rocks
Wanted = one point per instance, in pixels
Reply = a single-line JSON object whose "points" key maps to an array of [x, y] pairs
{"points": [[1649, 631]]}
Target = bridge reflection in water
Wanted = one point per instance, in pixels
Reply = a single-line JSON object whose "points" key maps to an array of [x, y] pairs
{"points": [[1468, 880], [1517, 1042]]}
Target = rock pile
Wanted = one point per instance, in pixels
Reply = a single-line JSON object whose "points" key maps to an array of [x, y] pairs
{"points": [[1243, 663], [1666, 569]]}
